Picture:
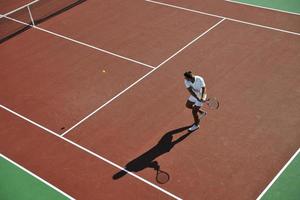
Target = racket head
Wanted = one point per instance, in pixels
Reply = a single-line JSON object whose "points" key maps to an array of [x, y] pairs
{"points": [[162, 177], [213, 103]]}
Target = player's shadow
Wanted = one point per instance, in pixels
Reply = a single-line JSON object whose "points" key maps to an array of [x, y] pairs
{"points": [[147, 159]]}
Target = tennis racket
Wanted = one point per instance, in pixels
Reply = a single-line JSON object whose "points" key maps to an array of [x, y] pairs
{"points": [[162, 177], [212, 103]]}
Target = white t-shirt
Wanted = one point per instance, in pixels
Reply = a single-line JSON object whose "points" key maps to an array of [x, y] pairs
{"points": [[196, 86]]}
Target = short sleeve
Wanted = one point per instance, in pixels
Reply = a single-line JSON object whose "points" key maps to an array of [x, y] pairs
{"points": [[187, 83], [202, 83]]}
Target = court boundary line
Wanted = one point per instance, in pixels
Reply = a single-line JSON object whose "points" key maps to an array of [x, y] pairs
{"points": [[278, 174], [37, 177], [223, 17], [140, 79], [262, 7], [93, 154]]}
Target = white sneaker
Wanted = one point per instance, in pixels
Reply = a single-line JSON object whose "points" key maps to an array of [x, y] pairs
{"points": [[193, 128]]}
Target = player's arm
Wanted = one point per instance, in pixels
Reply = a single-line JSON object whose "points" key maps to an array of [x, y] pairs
{"points": [[193, 93]]}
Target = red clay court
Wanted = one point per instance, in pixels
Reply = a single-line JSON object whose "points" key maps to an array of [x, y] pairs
{"points": [[98, 88]]}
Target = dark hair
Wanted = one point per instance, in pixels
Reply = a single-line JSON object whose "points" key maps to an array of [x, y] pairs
{"points": [[188, 74]]}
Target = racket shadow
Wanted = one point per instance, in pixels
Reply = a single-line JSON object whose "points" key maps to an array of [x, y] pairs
{"points": [[147, 159]]}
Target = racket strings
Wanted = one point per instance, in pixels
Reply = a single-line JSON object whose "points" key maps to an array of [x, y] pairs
{"points": [[213, 103]]}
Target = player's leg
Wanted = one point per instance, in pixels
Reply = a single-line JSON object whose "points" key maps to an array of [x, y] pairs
{"points": [[190, 103], [199, 104], [195, 110]]}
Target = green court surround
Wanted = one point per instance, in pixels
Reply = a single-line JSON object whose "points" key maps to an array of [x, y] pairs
{"points": [[283, 5], [17, 184]]}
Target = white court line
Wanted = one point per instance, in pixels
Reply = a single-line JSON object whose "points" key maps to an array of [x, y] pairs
{"points": [[92, 153], [20, 8], [37, 177], [30, 14], [223, 17], [99, 108], [279, 173], [26, 119], [18, 21], [133, 84], [81, 43], [93, 47], [263, 7], [191, 42]]}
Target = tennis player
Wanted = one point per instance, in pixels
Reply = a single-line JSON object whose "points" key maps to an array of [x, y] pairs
{"points": [[196, 87]]}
